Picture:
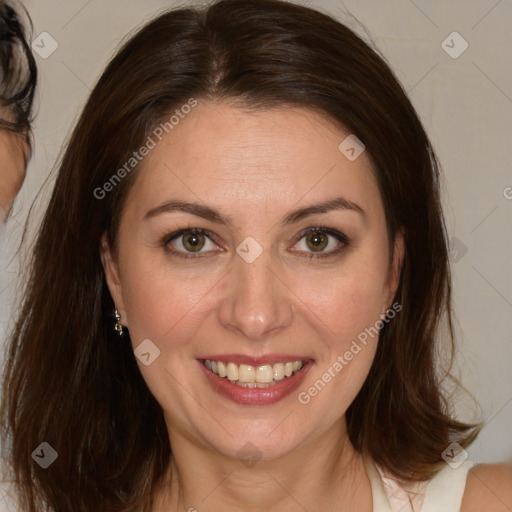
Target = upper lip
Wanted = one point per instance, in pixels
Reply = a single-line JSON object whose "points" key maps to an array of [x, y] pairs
{"points": [[256, 361]]}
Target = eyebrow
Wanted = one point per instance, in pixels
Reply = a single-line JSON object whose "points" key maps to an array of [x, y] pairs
{"points": [[212, 215]]}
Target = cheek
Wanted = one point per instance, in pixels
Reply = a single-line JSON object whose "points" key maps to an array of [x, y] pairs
{"points": [[348, 298], [166, 308], [348, 310], [13, 167], [161, 297], [160, 300]]}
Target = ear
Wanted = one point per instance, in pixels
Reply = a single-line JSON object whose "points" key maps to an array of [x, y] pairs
{"points": [[395, 268], [112, 278]]}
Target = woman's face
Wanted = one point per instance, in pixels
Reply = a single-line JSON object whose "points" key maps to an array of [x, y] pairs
{"points": [[267, 280]]}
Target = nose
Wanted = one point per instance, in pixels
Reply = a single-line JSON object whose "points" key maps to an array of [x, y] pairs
{"points": [[256, 302]]}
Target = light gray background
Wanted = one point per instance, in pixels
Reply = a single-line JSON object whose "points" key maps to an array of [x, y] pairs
{"points": [[465, 104]]}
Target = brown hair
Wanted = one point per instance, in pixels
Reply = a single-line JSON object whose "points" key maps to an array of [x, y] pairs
{"points": [[71, 383]]}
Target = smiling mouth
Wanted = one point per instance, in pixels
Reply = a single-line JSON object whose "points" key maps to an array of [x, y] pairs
{"points": [[248, 376]]}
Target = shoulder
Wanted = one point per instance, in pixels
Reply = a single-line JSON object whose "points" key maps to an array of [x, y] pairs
{"points": [[489, 488]]}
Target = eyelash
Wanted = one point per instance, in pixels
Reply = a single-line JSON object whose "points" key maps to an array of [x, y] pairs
{"points": [[341, 237]]}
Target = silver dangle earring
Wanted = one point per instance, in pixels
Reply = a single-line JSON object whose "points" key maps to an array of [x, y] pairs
{"points": [[117, 326]]}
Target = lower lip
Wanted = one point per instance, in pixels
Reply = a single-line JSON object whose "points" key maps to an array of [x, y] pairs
{"points": [[256, 396]]}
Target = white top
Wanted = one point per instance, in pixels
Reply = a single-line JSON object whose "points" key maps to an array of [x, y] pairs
{"points": [[443, 492]]}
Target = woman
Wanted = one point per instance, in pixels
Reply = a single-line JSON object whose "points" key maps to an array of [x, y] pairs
{"points": [[18, 78], [238, 284]]}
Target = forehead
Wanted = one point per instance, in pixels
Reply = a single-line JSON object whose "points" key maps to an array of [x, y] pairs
{"points": [[222, 154]]}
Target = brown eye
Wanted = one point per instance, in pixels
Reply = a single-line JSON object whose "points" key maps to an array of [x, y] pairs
{"points": [[186, 242], [193, 241], [317, 241]]}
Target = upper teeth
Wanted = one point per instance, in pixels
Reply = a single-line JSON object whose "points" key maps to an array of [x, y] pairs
{"points": [[245, 373]]}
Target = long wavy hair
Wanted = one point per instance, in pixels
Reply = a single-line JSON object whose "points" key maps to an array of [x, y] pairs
{"points": [[68, 380]]}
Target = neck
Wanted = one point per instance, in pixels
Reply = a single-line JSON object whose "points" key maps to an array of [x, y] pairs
{"points": [[326, 473]]}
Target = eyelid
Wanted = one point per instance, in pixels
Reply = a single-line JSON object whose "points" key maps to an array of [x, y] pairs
{"points": [[326, 230], [186, 231]]}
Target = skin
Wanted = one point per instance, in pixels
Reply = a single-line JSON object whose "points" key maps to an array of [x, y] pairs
{"points": [[489, 488], [13, 153], [254, 167]]}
